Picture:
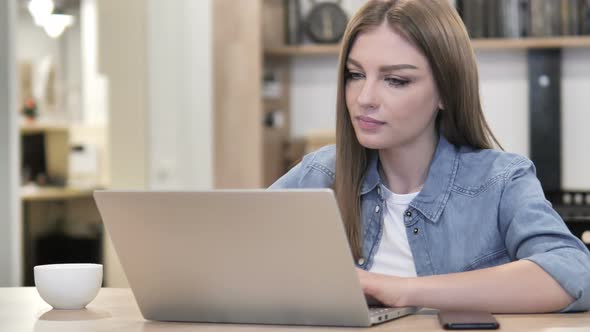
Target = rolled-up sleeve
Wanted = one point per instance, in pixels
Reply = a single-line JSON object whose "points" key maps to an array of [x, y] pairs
{"points": [[534, 231], [291, 179]]}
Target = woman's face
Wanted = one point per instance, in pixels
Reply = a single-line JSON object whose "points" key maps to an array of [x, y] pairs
{"points": [[391, 95]]}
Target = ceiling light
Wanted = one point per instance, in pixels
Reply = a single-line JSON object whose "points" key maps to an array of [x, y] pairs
{"points": [[55, 24], [40, 10]]}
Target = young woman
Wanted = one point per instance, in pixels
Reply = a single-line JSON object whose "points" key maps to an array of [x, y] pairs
{"points": [[434, 216]]}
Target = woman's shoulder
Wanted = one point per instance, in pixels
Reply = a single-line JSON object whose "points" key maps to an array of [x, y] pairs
{"points": [[315, 170], [480, 167], [324, 159]]}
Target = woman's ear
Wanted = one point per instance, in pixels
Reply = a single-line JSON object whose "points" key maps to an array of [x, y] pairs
{"points": [[440, 106]]}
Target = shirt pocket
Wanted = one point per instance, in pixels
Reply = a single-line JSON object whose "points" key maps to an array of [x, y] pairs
{"points": [[495, 258]]}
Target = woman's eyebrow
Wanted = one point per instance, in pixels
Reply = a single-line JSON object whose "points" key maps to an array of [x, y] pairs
{"points": [[396, 67], [387, 68], [354, 62]]}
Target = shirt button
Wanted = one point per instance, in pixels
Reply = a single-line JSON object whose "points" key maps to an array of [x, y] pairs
{"points": [[408, 213], [361, 261], [379, 191], [377, 209], [415, 230]]}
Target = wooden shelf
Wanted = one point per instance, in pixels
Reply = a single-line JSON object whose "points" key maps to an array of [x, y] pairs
{"points": [[40, 128], [312, 49], [271, 104], [478, 44], [532, 43], [53, 193]]}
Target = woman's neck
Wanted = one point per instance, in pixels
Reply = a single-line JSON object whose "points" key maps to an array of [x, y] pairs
{"points": [[404, 168]]}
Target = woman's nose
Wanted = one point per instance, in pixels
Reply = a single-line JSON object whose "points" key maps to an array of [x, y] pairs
{"points": [[367, 98]]}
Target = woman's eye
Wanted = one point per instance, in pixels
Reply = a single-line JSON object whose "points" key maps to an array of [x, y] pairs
{"points": [[396, 82], [354, 76]]}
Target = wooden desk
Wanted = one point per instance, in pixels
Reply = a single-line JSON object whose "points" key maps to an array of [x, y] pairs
{"points": [[54, 193], [21, 309]]}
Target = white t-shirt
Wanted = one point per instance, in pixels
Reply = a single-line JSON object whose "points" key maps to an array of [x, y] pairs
{"points": [[394, 256]]}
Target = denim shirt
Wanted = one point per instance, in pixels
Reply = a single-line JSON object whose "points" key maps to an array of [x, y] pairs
{"points": [[477, 209]]}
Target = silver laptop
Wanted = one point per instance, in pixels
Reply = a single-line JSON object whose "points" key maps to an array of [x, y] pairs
{"points": [[238, 256]]}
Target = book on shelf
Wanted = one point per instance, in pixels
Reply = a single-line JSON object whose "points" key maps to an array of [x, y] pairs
{"points": [[512, 20], [586, 19], [525, 18], [493, 20]]}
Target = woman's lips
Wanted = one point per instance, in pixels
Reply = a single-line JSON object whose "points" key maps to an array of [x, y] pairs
{"points": [[368, 123]]}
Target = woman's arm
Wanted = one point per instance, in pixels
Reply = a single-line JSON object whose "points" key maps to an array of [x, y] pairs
{"points": [[550, 269], [517, 287]]}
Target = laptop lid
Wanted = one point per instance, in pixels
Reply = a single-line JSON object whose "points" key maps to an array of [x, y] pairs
{"points": [[236, 256]]}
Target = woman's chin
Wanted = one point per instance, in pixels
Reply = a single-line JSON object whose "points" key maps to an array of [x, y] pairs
{"points": [[372, 143]]}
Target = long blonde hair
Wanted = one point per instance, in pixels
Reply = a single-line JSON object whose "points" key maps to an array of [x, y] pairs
{"points": [[435, 28]]}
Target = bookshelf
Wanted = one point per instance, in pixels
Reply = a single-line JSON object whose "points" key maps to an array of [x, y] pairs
{"points": [[251, 128], [498, 35], [478, 44], [532, 43]]}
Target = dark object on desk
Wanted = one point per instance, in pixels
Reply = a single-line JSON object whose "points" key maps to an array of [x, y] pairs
{"points": [[61, 248], [467, 320], [58, 248], [293, 32], [326, 22], [33, 160]]}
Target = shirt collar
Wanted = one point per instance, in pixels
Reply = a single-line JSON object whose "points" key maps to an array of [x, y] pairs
{"points": [[372, 178], [437, 188]]}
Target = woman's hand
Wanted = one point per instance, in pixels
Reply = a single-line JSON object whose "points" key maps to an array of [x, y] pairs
{"points": [[491, 289], [389, 290]]}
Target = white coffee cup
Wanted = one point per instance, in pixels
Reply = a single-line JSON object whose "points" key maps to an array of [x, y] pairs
{"points": [[68, 286]]}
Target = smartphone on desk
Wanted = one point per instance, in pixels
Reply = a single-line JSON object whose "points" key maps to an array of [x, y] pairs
{"points": [[467, 320]]}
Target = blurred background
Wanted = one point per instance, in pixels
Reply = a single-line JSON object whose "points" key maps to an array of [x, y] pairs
{"points": [[194, 95]]}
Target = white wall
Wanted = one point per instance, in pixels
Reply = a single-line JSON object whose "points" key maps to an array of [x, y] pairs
{"points": [[575, 119], [32, 41], [93, 85], [180, 94], [122, 59], [70, 61], [504, 96], [33, 45], [156, 58], [313, 94], [10, 229]]}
